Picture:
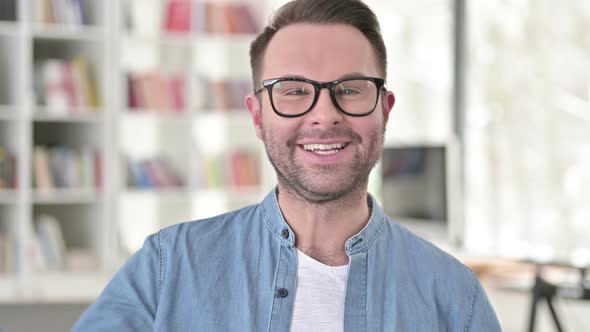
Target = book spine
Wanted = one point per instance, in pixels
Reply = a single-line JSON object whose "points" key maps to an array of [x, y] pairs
{"points": [[42, 174], [178, 16], [177, 91], [3, 244], [98, 170]]}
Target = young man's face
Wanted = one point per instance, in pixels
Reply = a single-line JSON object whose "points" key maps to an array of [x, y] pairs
{"points": [[321, 53]]}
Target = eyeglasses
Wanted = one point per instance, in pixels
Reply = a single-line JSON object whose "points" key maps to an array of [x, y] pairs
{"points": [[292, 97]]}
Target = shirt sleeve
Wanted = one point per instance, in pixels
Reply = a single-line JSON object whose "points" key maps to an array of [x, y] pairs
{"points": [[130, 300], [482, 317]]}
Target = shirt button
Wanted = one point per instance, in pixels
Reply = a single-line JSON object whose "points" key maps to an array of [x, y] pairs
{"points": [[285, 233], [282, 293]]}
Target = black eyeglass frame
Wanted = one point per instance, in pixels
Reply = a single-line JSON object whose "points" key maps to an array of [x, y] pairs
{"points": [[269, 84]]}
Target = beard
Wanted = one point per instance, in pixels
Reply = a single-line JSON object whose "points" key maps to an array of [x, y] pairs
{"points": [[319, 184]]}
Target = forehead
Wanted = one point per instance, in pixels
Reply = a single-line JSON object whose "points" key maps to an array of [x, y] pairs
{"points": [[319, 51]]}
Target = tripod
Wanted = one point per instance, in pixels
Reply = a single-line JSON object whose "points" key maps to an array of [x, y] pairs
{"points": [[548, 291]]}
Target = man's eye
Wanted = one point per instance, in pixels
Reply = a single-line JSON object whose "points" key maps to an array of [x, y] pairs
{"points": [[348, 92], [297, 92], [344, 90]]}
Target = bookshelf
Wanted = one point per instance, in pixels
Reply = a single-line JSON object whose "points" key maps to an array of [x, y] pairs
{"points": [[46, 66], [196, 128]]}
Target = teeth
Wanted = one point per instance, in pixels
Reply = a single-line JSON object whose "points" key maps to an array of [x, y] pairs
{"points": [[323, 147]]}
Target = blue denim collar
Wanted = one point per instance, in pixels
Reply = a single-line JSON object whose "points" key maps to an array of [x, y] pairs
{"points": [[361, 241]]}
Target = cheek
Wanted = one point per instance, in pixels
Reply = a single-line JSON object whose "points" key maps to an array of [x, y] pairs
{"points": [[280, 127], [371, 129], [276, 130]]}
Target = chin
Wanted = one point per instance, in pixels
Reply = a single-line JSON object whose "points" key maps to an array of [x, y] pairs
{"points": [[326, 193]]}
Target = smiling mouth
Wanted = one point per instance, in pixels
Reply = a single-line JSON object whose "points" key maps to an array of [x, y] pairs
{"points": [[325, 149]]}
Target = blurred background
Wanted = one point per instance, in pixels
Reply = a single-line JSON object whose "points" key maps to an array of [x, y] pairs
{"points": [[118, 118]]}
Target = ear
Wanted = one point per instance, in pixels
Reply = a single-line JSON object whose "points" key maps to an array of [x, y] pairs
{"points": [[253, 105], [387, 101]]}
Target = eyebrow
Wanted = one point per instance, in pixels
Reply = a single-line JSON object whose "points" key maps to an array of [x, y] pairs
{"points": [[348, 75]]}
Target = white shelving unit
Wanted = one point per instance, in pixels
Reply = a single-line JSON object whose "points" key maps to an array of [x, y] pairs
{"points": [[25, 122], [105, 222], [189, 136]]}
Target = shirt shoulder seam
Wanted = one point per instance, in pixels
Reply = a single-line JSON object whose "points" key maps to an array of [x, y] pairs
{"points": [[474, 297], [161, 261], [378, 233]]}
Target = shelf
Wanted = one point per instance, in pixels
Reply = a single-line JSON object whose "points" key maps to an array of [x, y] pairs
{"points": [[54, 287], [238, 38], [66, 196], [67, 286], [189, 38], [149, 192], [163, 38], [89, 217], [8, 289], [143, 113], [186, 193], [8, 196], [234, 116], [68, 32], [418, 142], [8, 28], [85, 115], [238, 192]]}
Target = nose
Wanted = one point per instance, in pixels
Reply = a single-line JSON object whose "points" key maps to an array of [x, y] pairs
{"points": [[325, 113]]}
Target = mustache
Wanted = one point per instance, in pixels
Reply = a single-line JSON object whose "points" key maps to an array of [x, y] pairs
{"points": [[338, 133]]}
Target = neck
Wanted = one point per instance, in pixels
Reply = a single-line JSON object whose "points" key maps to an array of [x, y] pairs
{"points": [[321, 229]]}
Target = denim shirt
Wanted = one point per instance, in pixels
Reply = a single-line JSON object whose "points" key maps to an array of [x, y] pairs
{"points": [[238, 271]]}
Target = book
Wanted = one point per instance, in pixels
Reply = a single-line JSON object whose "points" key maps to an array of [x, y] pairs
{"points": [[7, 169], [61, 166], [42, 177], [46, 15], [178, 16], [244, 169], [199, 17], [84, 85], [155, 172], [97, 169], [226, 95], [172, 174], [136, 176], [246, 18], [3, 251], [132, 93], [86, 168], [51, 240], [57, 165], [156, 91], [223, 18], [65, 87], [68, 12], [177, 85], [54, 92]]}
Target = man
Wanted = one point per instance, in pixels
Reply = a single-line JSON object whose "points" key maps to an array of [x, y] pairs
{"points": [[317, 254]]}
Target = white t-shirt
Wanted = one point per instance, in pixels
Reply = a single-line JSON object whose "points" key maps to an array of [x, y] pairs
{"points": [[319, 297]]}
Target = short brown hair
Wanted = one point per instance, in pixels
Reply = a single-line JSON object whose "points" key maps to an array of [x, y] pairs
{"points": [[350, 12]]}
